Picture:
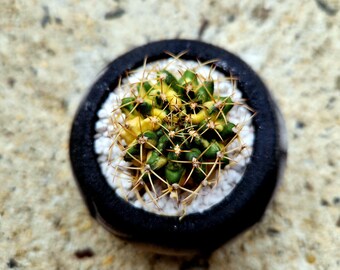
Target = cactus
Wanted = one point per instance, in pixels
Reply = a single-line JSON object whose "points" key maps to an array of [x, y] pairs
{"points": [[175, 132]]}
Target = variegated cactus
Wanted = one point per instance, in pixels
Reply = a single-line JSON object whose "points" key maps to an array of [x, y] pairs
{"points": [[176, 133]]}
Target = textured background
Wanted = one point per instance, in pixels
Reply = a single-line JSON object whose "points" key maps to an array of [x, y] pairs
{"points": [[51, 51]]}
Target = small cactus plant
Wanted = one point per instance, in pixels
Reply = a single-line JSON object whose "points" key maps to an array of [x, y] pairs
{"points": [[162, 136], [175, 134]]}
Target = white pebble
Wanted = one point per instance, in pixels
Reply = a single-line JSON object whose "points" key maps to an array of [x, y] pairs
{"points": [[120, 192], [102, 158], [100, 127], [126, 184], [102, 113], [137, 204]]}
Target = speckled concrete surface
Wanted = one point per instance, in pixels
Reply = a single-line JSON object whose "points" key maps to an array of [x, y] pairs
{"points": [[51, 51]]}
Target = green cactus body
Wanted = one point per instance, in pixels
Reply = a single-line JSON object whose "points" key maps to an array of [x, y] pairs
{"points": [[192, 153], [151, 139], [173, 173], [212, 150], [128, 105], [205, 92], [199, 174], [176, 130], [189, 77], [143, 88], [132, 152], [155, 160], [225, 130], [171, 81]]}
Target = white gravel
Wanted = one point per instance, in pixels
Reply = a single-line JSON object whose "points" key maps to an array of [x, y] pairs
{"points": [[208, 195]]}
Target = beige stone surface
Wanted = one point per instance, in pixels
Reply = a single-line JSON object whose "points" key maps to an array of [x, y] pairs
{"points": [[51, 51]]}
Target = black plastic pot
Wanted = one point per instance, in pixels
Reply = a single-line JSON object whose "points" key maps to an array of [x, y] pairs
{"points": [[201, 232]]}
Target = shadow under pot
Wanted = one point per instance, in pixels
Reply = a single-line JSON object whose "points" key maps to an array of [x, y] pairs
{"points": [[178, 146]]}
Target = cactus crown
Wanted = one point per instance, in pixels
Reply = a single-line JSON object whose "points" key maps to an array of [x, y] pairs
{"points": [[175, 134]]}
